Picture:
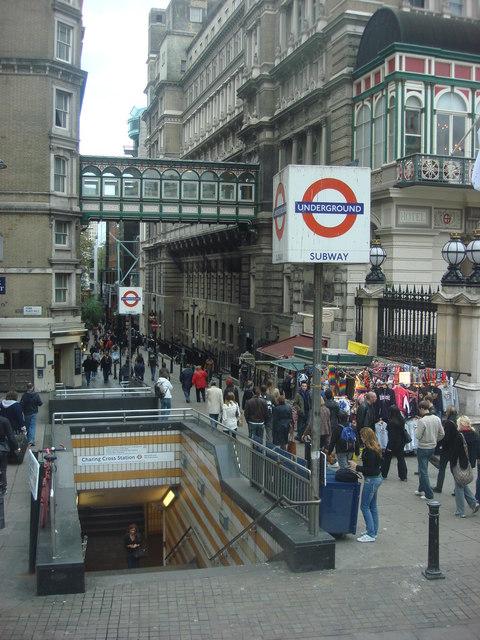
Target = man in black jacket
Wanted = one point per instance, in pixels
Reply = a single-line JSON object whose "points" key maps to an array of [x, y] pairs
{"points": [[333, 407], [256, 414], [30, 402], [366, 412]]}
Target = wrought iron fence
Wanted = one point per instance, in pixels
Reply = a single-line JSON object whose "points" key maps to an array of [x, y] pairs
{"points": [[358, 319], [407, 325]]}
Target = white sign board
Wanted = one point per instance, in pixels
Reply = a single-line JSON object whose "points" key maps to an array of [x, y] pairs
{"points": [[32, 311], [126, 458], [33, 473], [130, 302], [321, 214]]}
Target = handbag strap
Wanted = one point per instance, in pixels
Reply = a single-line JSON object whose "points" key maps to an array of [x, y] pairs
{"points": [[465, 448]]}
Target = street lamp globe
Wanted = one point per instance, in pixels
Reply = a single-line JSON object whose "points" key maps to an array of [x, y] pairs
{"points": [[473, 254], [378, 255], [453, 253]]}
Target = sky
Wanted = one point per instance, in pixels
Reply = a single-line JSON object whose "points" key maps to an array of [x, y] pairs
{"points": [[114, 55]]}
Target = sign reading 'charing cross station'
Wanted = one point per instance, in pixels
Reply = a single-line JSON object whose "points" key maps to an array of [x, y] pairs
{"points": [[321, 214]]}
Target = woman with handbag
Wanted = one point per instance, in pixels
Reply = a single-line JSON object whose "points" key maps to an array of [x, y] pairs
{"points": [[396, 443], [231, 416], [447, 442], [132, 542], [465, 454], [7, 443]]}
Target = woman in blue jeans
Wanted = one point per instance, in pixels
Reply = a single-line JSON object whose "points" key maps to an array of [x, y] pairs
{"points": [[371, 469]]}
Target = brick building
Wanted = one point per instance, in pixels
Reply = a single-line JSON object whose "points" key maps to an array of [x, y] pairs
{"points": [[41, 90]]}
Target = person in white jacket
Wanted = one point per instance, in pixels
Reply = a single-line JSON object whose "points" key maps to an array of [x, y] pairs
{"points": [[214, 403], [167, 388], [230, 414]]}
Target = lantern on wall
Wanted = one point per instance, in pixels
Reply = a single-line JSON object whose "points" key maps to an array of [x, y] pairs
{"points": [[453, 253]]}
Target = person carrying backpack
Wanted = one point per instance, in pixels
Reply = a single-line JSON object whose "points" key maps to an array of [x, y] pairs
{"points": [[344, 440]]}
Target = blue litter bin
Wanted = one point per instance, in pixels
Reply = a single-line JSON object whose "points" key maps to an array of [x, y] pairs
{"points": [[339, 506]]}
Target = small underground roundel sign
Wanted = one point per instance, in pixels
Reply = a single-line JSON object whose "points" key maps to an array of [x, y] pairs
{"points": [[321, 214], [130, 300]]}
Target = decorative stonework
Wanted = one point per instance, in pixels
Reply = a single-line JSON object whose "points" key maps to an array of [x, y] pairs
{"points": [[448, 219], [415, 217]]}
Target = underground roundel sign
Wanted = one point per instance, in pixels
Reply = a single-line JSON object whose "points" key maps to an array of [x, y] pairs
{"points": [[321, 214], [130, 300]]}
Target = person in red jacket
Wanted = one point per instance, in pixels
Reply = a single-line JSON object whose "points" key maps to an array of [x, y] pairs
{"points": [[199, 381]]}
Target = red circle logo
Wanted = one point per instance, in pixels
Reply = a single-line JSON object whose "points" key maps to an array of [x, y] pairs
{"points": [[130, 298], [347, 193], [280, 193]]}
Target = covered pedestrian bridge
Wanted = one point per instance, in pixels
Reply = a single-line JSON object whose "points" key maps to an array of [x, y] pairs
{"points": [[122, 188]]}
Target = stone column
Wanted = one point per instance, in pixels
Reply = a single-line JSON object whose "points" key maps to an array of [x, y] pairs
{"points": [[323, 144], [309, 147], [458, 342], [281, 155], [370, 317], [294, 149]]}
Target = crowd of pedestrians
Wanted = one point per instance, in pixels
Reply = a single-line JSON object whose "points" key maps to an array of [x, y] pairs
{"points": [[281, 416]]}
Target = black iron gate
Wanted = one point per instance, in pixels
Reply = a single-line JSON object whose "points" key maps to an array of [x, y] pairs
{"points": [[407, 326]]}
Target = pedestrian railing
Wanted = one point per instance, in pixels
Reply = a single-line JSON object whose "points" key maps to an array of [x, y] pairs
{"points": [[92, 392]]}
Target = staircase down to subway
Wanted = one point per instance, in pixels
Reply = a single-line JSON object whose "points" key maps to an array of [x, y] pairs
{"points": [[199, 497]]}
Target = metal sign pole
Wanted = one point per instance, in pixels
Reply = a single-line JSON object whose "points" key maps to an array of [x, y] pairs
{"points": [[314, 524]]}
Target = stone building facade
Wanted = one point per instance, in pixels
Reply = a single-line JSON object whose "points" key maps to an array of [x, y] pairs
{"points": [[274, 83], [41, 90]]}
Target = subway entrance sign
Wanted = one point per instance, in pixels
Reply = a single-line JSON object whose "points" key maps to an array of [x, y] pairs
{"points": [[321, 214]]}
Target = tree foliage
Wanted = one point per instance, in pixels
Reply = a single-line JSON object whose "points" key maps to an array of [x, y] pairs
{"points": [[93, 311]]}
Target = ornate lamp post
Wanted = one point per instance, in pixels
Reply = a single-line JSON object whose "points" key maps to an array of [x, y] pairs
{"points": [[453, 253], [473, 254], [378, 255]]}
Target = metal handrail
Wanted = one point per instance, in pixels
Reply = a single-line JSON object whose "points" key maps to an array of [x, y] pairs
{"points": [[282, 501], [92, 392], [182, 539]]}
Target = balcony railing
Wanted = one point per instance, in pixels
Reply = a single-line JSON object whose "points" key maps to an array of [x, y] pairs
{"points": [[422, 168]]}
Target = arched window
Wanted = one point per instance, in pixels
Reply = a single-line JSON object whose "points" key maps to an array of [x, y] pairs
{"points": [[379, 133], [228, 184], [131, 183], [151, 184], [246, 187], [209, 328], [91, 182], [224, 332], [451, 124], [363, 136], [413, 125], [230, 333], [208, 186], [111, 183], [190, 185], [170, 185], [391, 117], [216, 330]]}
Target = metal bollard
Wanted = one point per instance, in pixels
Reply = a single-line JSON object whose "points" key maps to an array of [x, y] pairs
{"points": [[219, 376], [432, 572]]}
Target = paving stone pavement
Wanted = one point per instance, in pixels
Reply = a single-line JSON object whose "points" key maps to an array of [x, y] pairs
{"points": [[376, 591]]}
